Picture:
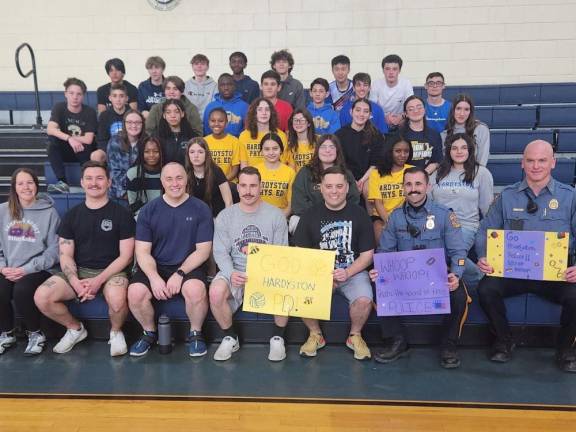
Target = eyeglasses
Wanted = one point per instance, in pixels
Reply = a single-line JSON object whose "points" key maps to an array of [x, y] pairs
{"points": [[328, 147], [435, 83], [299, 121], [133, 123]]}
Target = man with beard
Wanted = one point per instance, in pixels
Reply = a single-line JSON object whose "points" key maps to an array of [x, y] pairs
{"points": [[96, 240], [423, 224], [250, 221]]}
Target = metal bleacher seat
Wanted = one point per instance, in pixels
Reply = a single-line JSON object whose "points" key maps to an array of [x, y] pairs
{"points": [[516, 140], [567, 140], [505, 171], [482, 95], [557, 93], [512, 117], [557, 116], [484, 114], [519, 94], [498, 142]]}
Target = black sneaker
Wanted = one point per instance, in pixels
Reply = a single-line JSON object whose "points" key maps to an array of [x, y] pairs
{"points": [[449, 358], [396, 349], [566, 359], [502, 351]]}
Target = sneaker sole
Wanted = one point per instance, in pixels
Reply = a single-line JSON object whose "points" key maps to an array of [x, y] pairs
{"points": [[307, 354], [277, 359], [390, 360], [234, 349], [199, 354], [119, 353], [366, 357], [84, 336], [450, 365], [5, 347]]}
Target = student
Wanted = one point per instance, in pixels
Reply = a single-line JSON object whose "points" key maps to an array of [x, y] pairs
{"points": [[150, 91], [301, 139], [251, 220], [326, 119], [425, 142], [261, 119], [277, 178], [110, 122], [361, 85], [391, 91], [461, 120], [116, 70], [96, 249], [291, 90], [437, 108], [246, 86], [362, 143], [341, 89], [385, 182], [174, 131], [224, 148], [143, 178], [122, 152], [200, 88], [70, 131], [174, 89], [206, 181], [467, 188], [28, 249], [305, 189], [228, 99], [270, 83]]}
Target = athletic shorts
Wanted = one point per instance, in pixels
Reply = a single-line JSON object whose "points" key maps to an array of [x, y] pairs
{"points": [[165, 272], [236, 292], [355, 287], [87, 273]]}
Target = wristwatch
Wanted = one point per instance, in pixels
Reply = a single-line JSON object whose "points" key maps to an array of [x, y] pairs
{"points": [[180, 272]]}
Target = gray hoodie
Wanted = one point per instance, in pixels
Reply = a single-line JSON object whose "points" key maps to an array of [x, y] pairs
{"points": [[200, 93], [32, 242]]}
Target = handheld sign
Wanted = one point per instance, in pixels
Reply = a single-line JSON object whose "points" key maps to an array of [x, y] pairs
{"points": [[289, 281], [535, 255], [412, 283]]}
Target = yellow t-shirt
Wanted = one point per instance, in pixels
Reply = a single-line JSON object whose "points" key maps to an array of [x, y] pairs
{"points": [[387, 188], [250, 147], [301, 157], [225, 151], [277, 185]]}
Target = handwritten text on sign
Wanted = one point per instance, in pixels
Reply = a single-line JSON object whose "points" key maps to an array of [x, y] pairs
{"points": [[535, 255], [289, 281], [412, 283]]}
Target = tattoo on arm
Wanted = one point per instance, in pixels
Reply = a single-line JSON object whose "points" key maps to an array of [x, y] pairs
{"points": [[70, 271], [49, 283]]}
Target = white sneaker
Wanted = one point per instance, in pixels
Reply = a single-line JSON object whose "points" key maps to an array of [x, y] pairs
{"points": [[277, 349], [71, 338], [117, 344], [228, 346], [36, 341], [7, 339]]}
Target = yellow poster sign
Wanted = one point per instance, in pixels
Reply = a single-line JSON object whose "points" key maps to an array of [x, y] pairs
{"points": [[289, 281], [535, 255]]}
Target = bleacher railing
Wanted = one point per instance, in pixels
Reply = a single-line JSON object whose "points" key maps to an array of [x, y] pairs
{"points": [[33, 72]]}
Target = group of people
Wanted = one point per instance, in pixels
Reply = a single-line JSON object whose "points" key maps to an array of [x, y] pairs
{"points": [[360, 169]]}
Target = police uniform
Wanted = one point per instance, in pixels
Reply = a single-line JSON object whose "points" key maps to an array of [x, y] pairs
{"points": [[517, 208], [431, 226]]}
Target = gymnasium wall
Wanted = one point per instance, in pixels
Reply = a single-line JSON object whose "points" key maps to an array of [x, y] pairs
{"points": [[471, 41]]}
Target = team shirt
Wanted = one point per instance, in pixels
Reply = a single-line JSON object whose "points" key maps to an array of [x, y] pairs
{"points": [[301, 157], [225, 151], [277, 185], [387, 188], [250, 147]]}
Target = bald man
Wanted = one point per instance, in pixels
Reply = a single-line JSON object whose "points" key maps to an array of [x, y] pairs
{"points": [[173, 240], [537, 203]]}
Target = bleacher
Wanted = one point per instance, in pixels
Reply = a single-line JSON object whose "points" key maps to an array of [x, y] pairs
{"points": [[516, 115]]}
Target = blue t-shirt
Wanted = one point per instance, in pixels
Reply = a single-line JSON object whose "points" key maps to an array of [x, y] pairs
{"points": [[377, 118], [174, 231], [426, 146], [437, 116]]}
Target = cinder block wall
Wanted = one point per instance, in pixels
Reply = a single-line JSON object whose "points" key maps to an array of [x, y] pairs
{"points": [[471, 41]]}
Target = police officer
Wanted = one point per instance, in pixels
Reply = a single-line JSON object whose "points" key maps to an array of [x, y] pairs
{"points": [[423, 224], [537, 203]]}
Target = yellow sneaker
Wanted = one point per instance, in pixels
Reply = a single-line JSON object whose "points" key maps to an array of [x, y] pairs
{"points": [[313, 344], [357, 344]]}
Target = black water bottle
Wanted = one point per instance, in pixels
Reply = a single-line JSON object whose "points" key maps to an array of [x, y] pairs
{"points": [[164, 335]]}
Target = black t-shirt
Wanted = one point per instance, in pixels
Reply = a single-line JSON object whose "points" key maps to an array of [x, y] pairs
{"points": [[348, 231], [199, 190], [174, 147], [109, 125], [426, 146], [97, 233], [359, 155], [104, 91], [75, 124]]}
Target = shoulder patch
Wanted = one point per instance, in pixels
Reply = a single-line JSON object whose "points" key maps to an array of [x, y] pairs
{"points": [[454, 220]]}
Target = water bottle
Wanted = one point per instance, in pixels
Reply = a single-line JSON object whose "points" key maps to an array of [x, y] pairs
{"points": [[164, 335]]}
